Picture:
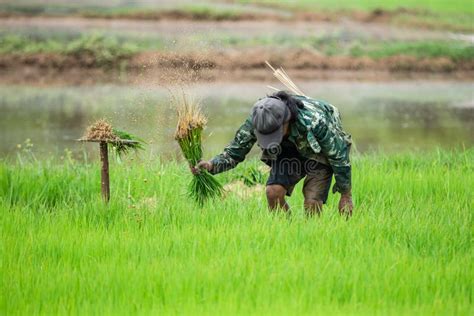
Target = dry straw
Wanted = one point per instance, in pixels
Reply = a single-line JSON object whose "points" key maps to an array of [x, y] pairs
{"points": [[191, 123], [122, 142], [281, 75], [101, 130]]}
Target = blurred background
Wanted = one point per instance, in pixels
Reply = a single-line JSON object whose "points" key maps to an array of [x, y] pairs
{"points": [[400, 71]]}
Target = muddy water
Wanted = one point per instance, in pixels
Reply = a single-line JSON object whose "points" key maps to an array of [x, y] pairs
{"points": [[387, 116]]}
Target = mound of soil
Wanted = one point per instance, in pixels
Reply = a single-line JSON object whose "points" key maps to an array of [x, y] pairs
{"points": [[221, 65], [292, 59]]}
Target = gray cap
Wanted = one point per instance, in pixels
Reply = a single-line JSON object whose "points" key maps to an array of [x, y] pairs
{"points": [[268, 116]]}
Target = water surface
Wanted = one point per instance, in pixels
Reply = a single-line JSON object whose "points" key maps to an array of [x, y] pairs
{"points": [[386, 116]]}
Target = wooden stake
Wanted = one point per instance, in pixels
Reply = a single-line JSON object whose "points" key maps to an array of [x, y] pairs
{"points": [[104, 158], [104, 176]]}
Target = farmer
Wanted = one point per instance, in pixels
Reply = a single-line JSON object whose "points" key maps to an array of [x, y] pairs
{"points": [[300, 138]]}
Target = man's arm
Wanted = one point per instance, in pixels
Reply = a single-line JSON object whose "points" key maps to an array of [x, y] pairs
{"points": [[236, 151]]}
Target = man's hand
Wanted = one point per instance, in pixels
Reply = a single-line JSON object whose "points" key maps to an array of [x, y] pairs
{"points": [[207, 165], [345, 204]]}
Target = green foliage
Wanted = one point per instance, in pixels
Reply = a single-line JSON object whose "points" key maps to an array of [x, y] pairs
{"points": [[407, 249], [11, 43], [456, 15], [34, 9], [453, 15], [122, 149], [337, 45], [206, 12], [195, 11], [203, 186], [106, 50], [103, 49], [435, 6], [252, 175], [454, 50]]}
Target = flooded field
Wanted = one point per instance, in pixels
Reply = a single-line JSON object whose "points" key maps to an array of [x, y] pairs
{"points": [[387, 116]]}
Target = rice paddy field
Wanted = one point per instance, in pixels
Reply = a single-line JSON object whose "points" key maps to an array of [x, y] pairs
{"points": [[401, 74], [406, 250]]}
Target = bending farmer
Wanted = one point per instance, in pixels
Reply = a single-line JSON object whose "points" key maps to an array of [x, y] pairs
{"points": [[300, 138]]}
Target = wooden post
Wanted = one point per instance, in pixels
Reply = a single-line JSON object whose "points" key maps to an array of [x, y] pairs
{"points": [[104, 176], [104, 158]]}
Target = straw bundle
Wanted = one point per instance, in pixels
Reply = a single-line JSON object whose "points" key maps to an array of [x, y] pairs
{"points": [[101, 130], [281, 75], [191, 123]]}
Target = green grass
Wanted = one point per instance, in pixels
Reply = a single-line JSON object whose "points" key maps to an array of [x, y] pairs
{"points": [[94, 43], [454, 15], [97, 43], [194, 11], [407, 249], [105, 50], [454, 50], [436, 6], [108, 48]]}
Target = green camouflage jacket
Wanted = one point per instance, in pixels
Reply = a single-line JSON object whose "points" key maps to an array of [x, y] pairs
{"points": [[317, 134]]}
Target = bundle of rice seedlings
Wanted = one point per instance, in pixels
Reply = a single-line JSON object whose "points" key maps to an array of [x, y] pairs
{"points": [[122, 142], [122, 148], [191, 123], [281, 75]]}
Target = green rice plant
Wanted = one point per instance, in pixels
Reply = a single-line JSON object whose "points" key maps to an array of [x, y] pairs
{"points": [[253, 175], [122, 142], [407, 250], [191, 122], [122, 148]]}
